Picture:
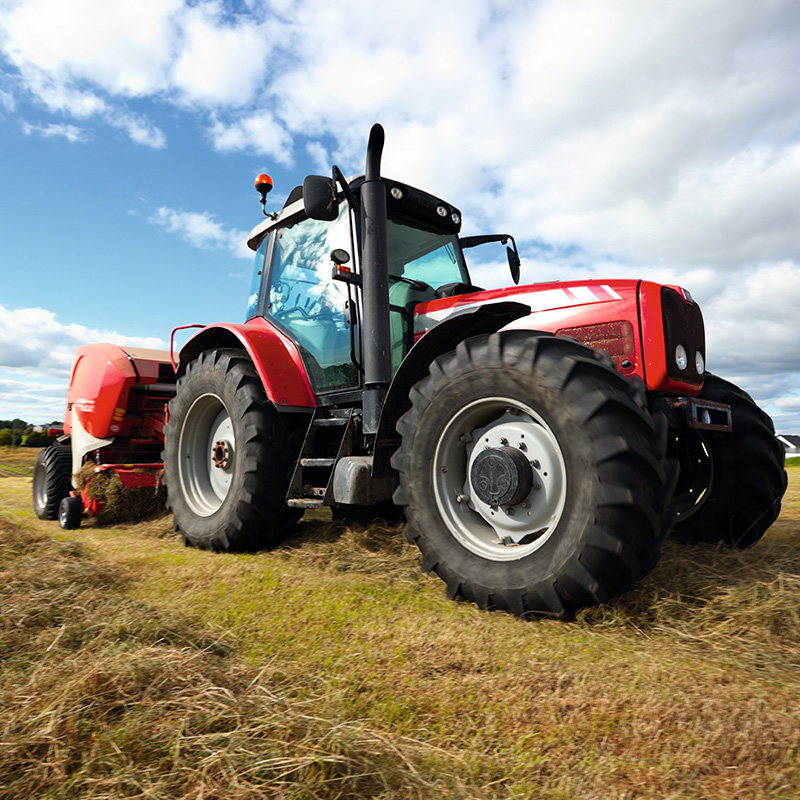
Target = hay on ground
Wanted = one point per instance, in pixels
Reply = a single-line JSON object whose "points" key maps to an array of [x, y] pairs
{"points": [[121, 503]]}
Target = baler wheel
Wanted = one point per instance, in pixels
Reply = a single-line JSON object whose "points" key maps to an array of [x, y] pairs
{"points": [[228, 457], [533, 480], [52, 479], [747, 479], [70, 510]]}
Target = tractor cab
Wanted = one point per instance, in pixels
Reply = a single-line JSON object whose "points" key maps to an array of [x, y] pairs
{"points": [[308, 273]]}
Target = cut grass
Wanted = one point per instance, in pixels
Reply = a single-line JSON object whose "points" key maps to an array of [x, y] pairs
{"points": [[331, 667]]}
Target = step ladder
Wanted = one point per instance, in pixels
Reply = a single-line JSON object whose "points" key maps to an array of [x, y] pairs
{"points": [[329, 437]]}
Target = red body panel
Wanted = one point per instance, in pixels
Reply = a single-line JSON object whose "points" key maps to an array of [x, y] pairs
{"points": [[274, 355], [563, 307], [99, 390]]}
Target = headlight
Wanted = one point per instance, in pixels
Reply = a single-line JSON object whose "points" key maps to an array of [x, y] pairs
{"points": [[699, 363], [441, 211], [681, 359]]}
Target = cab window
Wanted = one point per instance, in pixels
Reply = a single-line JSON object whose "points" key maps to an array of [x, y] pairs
{"points": [[311, 307]]}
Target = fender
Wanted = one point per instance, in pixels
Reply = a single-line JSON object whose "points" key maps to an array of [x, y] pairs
{"points": [[414, 367], [273, 354]]}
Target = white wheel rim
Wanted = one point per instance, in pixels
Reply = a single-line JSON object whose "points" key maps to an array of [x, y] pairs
{"points": [[40, 485], [506, 533], [204, 483]]}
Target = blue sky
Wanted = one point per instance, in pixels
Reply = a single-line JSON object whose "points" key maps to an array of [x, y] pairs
{"points": [[614, 138]]}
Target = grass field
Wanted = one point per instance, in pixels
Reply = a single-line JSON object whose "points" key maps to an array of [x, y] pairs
{"points": [[332, 667]]}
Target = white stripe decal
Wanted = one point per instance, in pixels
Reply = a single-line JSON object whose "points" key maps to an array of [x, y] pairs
{"points": [[544, 300], [584, 294]]}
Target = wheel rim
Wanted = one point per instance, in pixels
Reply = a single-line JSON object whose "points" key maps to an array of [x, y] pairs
{"points": [[40, 485], [206, 453], [696, 476], [501, 532]]}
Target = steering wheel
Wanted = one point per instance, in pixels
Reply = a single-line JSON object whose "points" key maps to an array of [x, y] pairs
{"points": [[297, 310], [419, 285]]}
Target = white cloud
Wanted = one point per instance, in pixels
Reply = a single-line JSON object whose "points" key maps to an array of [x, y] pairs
{"points": [[259, 132], [319, 157], [35, 401], [32, 338], [8, 101], [69, 132], [36, 352], [219, 64], [140, 130], [124, 48], [202, 230]]}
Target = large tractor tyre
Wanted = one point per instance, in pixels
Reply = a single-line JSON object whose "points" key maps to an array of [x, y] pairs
{"points": [[533, 480], [228, 457], [52, 479], [743, 474]]}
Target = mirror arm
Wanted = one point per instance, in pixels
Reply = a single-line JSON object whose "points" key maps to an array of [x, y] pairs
{"points": [[346, 190]]}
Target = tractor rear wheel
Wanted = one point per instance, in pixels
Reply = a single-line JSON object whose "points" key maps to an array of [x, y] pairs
{"points": [[52, 479], [533, 480], [228, 457], [743, 474]]}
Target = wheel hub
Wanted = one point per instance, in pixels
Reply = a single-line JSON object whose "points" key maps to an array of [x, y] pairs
{"points": [[501, 476], [221, 454]]}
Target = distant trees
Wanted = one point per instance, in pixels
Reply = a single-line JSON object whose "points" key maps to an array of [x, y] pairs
{"points": [[18, 433], [37, 439]]}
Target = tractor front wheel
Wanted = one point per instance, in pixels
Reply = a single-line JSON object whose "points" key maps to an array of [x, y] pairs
{"points": [[52, 479], [228, 457], [532, 478], [742, 475]]}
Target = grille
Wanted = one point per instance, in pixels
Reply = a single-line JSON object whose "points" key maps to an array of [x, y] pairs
{"points": [[683, 324]]}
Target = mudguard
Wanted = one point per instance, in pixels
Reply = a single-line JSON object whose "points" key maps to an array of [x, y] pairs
{"points": [[414, 367], [274, 355]]}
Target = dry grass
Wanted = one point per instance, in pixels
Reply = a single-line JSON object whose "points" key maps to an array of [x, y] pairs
{"points": [[121, 503], [16, 461], [332, 668], [106, 697]]}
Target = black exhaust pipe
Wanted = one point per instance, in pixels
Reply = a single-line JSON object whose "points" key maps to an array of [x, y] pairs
{"points": [[377, 354]]}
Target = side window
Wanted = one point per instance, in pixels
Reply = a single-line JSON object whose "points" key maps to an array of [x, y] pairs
{"points": [[305, 301], [255, 282]]}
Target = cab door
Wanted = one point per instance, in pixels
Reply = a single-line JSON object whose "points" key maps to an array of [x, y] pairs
{"points": [[303, 300]]}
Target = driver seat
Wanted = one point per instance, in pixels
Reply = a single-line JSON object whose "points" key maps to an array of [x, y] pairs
{"points": [[453, 289]]}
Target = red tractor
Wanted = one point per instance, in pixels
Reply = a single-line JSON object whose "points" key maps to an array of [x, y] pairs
{"points": [[542, 440]]}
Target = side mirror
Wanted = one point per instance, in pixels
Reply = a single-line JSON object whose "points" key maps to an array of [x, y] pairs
{"points": [[513, 263], [319, 198]]}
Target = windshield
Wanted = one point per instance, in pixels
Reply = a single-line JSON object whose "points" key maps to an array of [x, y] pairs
{"points": [[421, 255]]}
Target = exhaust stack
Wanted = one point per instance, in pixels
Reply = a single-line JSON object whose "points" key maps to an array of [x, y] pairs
{"points": [[377, 356]]}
